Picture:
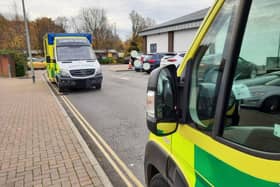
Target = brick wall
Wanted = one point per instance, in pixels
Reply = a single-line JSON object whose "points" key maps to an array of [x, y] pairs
{"points": [[5, 62]]}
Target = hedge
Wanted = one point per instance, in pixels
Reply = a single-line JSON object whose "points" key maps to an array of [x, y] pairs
{"points": [[106, 60]]}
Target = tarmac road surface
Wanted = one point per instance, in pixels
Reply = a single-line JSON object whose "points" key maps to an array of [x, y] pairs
{"points": [[117, 113]]}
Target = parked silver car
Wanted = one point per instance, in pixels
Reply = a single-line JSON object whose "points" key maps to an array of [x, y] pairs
{"points": [[265, 94]]}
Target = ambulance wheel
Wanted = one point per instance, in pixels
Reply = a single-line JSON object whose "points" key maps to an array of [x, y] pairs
{"points": [[158, 181], [60, 87]]}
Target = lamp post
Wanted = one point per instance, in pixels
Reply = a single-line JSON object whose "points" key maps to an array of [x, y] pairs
{"points": [[28, 41]]}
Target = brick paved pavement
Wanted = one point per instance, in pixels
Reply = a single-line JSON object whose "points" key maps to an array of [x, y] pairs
{"points": [[38, 145]]}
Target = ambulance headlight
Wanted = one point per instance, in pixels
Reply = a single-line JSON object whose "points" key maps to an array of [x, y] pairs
{"points": [[64, 73], [98, 69]]}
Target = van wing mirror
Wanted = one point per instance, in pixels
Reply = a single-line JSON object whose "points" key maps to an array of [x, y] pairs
{"points": [[48, 59], [161, 109]]}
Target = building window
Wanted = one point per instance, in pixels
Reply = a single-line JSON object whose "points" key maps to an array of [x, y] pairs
{"points": [[153, 48]]}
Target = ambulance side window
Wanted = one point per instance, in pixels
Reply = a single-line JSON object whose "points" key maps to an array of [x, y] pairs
{"points": [[45, 47], [256, 87], [54, 53], [208, 68]]}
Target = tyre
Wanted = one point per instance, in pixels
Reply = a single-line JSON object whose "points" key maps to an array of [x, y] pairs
{"points": [[158, 181], [148, 71], [98, 86], [271, 105], [60, 87]]}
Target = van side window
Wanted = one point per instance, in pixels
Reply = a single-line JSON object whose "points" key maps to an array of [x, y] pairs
{"points": [[54, 53], [208, 67], [256, 88], [45, 47]]}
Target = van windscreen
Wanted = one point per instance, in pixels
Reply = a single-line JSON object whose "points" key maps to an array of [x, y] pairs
{"points": [[72, 41], [70, 53]]}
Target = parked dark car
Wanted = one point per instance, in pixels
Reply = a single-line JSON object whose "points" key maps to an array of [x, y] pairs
{"points": [[152, 61]]}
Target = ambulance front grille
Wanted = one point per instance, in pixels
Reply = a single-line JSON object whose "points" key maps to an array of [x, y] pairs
{"points": [[82, 72]]}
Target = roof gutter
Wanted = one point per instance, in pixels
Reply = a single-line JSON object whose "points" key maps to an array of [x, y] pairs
{"points": [[175, 27]]}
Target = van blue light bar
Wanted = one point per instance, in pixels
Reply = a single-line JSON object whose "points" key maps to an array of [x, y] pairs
{"points": [[51, 36]]}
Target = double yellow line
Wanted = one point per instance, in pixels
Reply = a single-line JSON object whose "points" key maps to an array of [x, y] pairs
{"points": [[119, 166]]}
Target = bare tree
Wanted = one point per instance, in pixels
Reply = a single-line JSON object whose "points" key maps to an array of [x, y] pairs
{"points": [[42, 26], [12, 30], [16, 16], [94, 21], [62, 21], [139, 22], [74, 24], [149, 22]]}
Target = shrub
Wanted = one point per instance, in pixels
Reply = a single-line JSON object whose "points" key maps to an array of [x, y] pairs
{"points": [[19, 58], [120, 60], [20, 70], [106, 60]]}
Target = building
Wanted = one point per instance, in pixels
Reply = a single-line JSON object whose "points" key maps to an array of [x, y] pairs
{"points": [[7, 66], [173, 35]]}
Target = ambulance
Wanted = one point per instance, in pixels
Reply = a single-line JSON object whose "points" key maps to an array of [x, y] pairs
{"points": [[71, 61], [202, 135]]}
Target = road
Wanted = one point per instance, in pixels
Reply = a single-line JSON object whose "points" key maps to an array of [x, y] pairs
{"points": [[117, 113]]}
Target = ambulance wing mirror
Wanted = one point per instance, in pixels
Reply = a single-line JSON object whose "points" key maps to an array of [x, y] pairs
{"points": [[161, 106], [48, 59]]}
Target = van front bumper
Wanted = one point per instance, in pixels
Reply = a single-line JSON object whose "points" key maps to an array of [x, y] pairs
{"points": [[81, 83]]}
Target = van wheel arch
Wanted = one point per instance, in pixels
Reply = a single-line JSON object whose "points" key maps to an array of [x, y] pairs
{"points": [[158, 181], [157, 161], [151, 172], [56, 79], [60, 88]]}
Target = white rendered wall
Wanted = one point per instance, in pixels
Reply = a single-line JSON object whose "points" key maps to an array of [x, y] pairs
{"points": [[183, 39], [160, 39]]}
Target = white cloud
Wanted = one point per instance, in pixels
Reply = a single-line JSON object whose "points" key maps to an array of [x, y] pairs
{"points": [[117, 11]]}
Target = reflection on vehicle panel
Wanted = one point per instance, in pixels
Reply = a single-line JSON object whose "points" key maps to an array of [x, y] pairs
{"points": [[264, 92]]}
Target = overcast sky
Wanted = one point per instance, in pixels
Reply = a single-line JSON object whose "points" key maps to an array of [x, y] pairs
{"points": [[117, 10]]}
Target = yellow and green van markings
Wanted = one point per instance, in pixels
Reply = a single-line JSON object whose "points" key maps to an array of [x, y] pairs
{"points": [[52, 73], [202, 169], [183, 155], [213, 171]]}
